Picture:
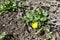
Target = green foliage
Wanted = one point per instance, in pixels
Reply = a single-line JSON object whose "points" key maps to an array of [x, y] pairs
{"points": [[11, 5], [2, 35], [23, 4], [6, 6], [47, 29], [38, 15]]}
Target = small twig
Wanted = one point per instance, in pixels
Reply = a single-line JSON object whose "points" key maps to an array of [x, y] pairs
{"points": [[38, 31]]}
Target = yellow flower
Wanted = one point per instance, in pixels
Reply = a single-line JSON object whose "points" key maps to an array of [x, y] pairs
{"points": [[35, 25]]}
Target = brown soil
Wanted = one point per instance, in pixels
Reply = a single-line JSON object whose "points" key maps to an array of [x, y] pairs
{"points": [[11, 22]]}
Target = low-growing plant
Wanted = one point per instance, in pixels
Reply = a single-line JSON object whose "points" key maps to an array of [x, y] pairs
{"points": [[36, 18], [4, 36], [9, 5]]}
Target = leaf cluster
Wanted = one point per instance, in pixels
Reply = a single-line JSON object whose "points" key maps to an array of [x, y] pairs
{"points": [[4, 36], [6, 6], [11, 5], [38, 15]]}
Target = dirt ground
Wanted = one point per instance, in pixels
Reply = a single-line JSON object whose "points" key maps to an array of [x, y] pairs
{"points": [[11, 22]]}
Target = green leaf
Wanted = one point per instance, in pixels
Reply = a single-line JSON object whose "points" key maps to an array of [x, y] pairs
{"points": [[2, 35], [36, 18], [7, 2], [14, 4], [43, 18], [19, 4], [24, 17], [39, 23], [38, 11], [45, 13], [25, 4], [46, 29]]}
